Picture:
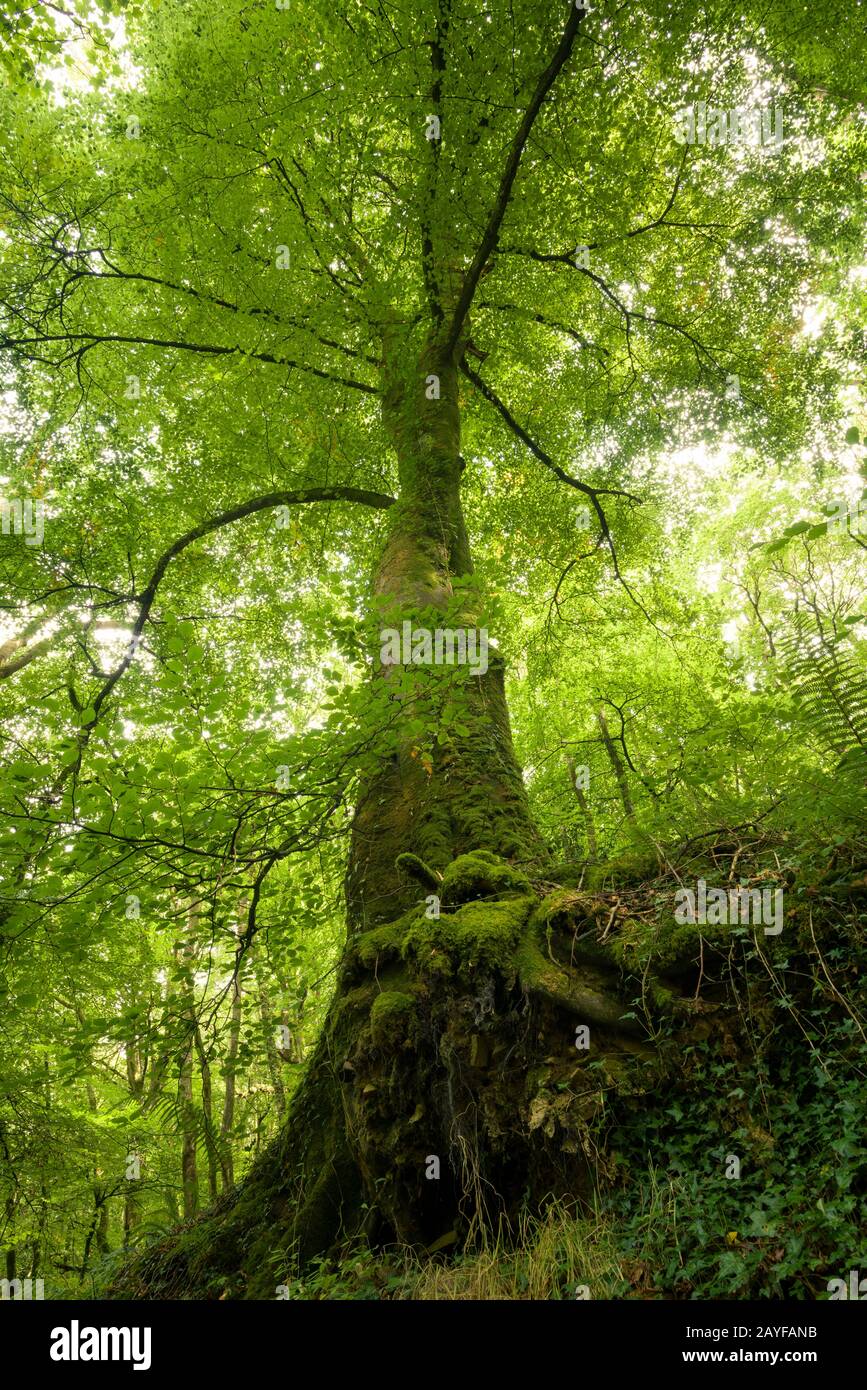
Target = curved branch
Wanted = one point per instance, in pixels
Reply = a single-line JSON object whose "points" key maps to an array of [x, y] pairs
{"points": [[92, 340], [115, 273], [20, 650], [270, 500], [594, 493], [428, 252], [488, 242], [546, 322], [10, 663], [8, 667], [567, 258]]}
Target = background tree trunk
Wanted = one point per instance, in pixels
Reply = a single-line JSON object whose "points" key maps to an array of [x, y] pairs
{"points": [[229, 1075], [269, 1027], [589, 827], [617, 766], [207, 1114], [189, 1170]]}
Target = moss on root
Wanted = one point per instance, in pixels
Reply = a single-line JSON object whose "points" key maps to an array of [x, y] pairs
{"points": [[666, 946], [453, 1036], [467, 796], [589, 994], [484, 905], [391, 1017], [481, 875], [414, 866], [465, 994]]}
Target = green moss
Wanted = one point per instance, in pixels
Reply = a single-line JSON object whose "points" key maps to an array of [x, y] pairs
{"points": [[569, 873], [391, 1018], [633, 866], [479, 937], [661, 996], [418, 869], [588, 993], [577, 915], [481, 875], [352, 1000], [664, 944], [384, 943], [565, 907], [490, 901]]}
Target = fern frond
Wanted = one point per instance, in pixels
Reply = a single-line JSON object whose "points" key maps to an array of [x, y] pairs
{"points": [[830, 688]]}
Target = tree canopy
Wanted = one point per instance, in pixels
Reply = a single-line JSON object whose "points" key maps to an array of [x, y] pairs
{"points": [[228, 238]]}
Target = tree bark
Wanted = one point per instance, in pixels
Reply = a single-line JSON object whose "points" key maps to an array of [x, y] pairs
{"points": [[207, 1114], [589, 826], [135, 1075], [448, 993], [617, 766], [229, 1074], [271, 1051], [189, 1169], [472, 796]]}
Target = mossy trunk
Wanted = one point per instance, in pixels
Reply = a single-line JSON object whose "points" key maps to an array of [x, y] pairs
{"points": [[469, 793], [426, 1111]]}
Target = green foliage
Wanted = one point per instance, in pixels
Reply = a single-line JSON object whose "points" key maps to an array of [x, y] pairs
{"points": [[794, 1217], [223, 235], [830, 686]]}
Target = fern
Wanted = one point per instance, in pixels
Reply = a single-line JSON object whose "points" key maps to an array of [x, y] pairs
{"points": [[830, 688], [175, 1116]]}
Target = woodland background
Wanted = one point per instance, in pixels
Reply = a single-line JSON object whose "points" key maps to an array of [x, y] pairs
{"points": [[701, 699]]}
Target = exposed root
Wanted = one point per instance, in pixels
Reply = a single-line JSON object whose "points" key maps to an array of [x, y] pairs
{"points": [[472, 1062]]}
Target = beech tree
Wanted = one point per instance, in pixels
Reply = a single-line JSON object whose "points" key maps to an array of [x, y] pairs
{"points": [[305, 308]]}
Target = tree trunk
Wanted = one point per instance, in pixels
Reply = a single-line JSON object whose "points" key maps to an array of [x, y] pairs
{"points": [[135, 1075], [11, 1250], [471, 796], [229, 1074], [207, 1114], [131, 1211], [102, 1244], [416, 1118], [616, 765], [189, 1170], [268, 1037], [99, 1225], [589, 826]]}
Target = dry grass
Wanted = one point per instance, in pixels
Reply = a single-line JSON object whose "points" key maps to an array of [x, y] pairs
{"points": [[549, 1258]]}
